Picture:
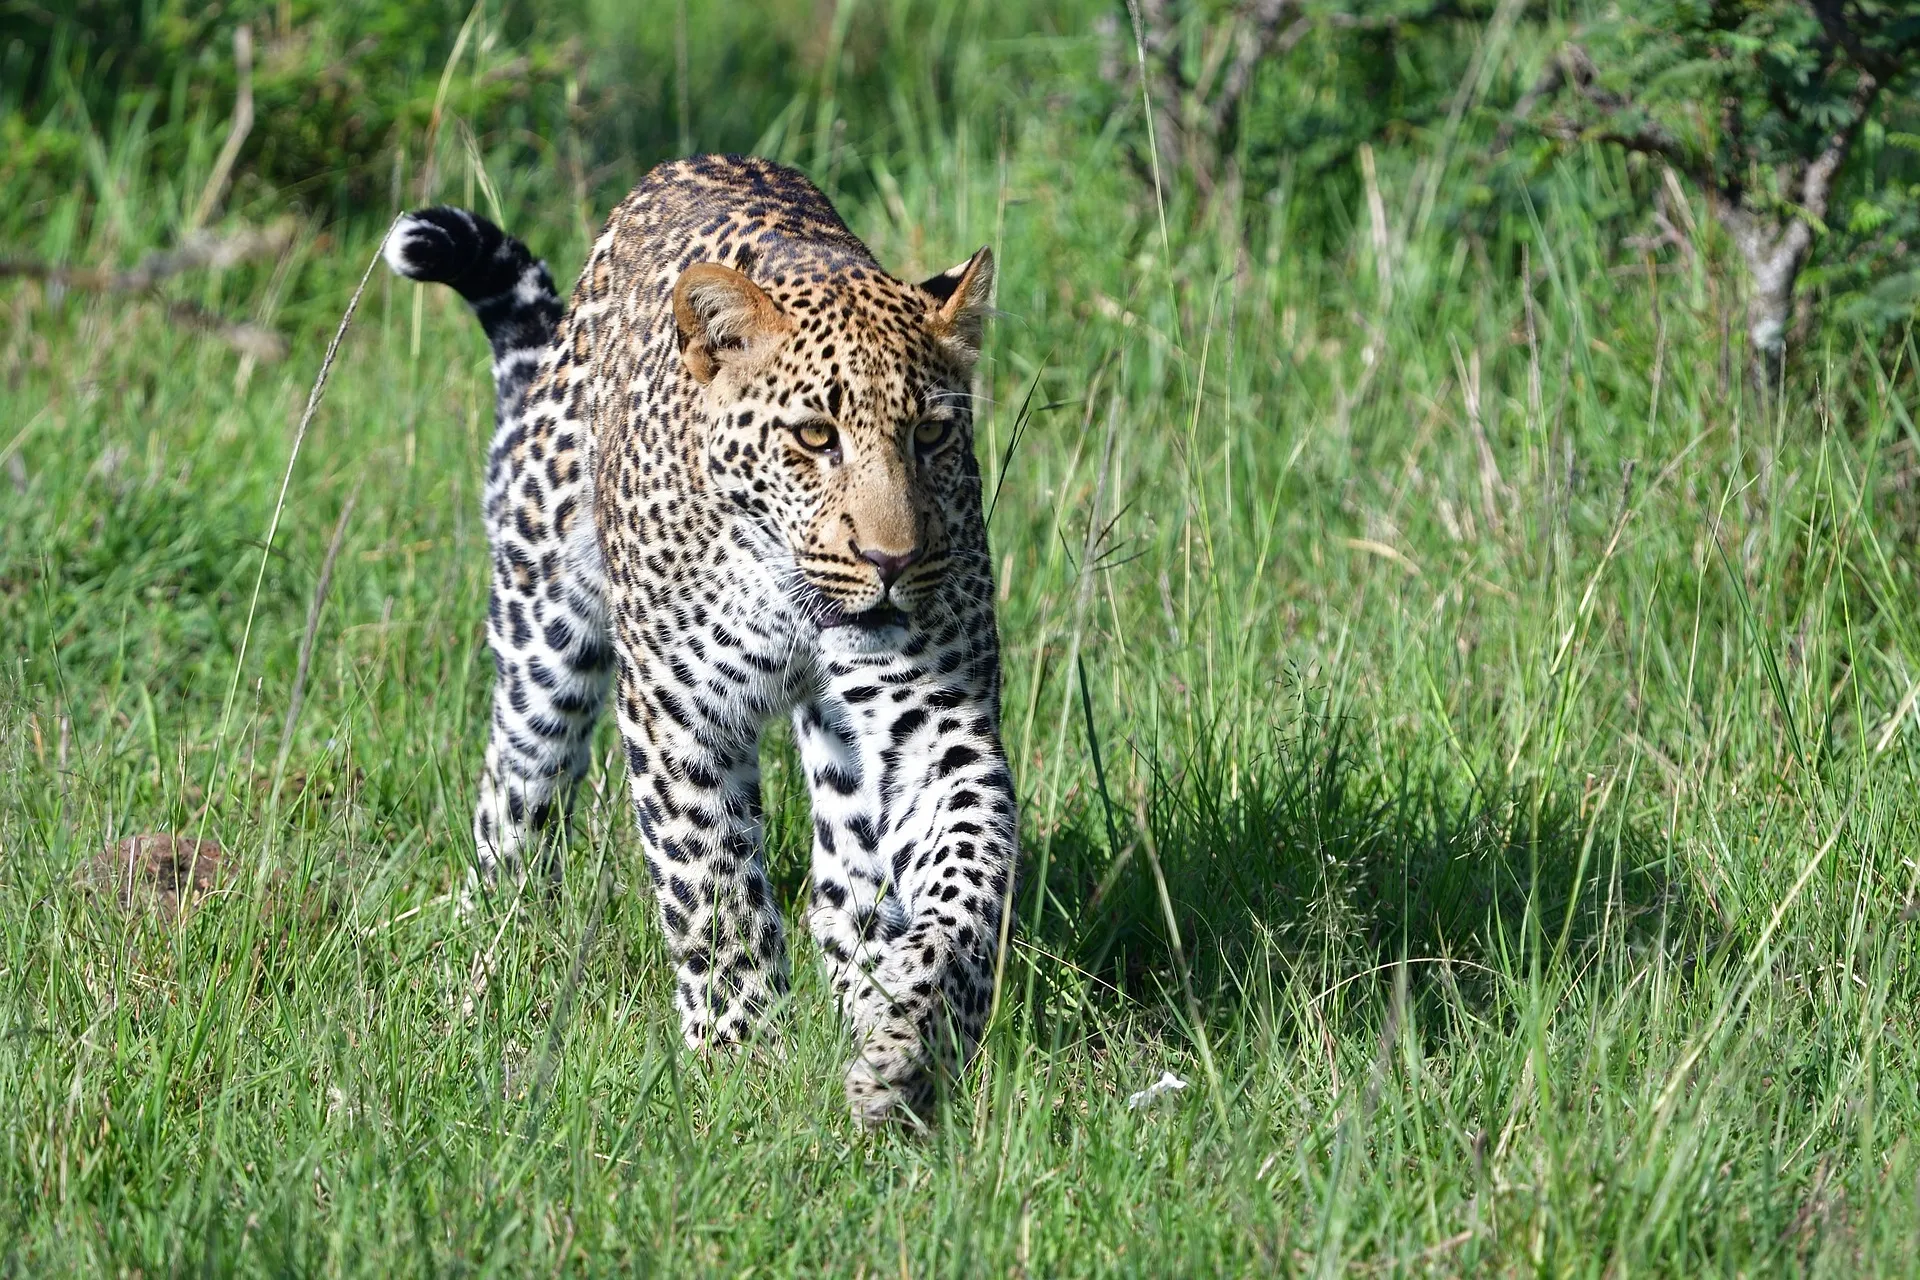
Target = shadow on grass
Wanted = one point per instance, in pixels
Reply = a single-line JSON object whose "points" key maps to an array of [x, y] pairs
{"points": [[1307, 856]]}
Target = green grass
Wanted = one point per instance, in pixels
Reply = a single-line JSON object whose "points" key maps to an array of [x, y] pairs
{"points": [[1520, 723]]}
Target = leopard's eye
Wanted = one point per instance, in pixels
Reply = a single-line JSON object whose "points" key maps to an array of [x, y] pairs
{"points": [[931, 434], [817, 436]]}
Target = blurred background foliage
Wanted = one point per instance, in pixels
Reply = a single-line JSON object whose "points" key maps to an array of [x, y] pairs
{"points": [[552, 110], [348, 93]]}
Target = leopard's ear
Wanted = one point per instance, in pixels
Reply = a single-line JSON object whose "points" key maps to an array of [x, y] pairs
{"points": [[960, 303], [722, 317]]}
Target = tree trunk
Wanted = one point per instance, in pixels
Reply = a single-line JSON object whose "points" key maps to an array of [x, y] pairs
{"points": [[1769, 308], [1776, 247], [1774, 255]]}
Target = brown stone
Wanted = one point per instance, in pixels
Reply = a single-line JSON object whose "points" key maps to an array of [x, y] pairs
{"points": [[158, 871]]}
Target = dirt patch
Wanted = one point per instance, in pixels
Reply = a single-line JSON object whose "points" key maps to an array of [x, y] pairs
{"points": [[157, 872]]}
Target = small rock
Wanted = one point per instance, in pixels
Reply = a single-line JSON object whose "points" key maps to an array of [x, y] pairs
{"points": [[157, 871]]}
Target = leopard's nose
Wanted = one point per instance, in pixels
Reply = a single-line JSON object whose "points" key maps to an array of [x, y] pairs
{"points": [[890, 564]]}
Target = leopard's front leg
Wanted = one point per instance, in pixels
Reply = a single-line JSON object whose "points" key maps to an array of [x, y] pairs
{"points": [[915, 841], [856, 908], [696, 791]]}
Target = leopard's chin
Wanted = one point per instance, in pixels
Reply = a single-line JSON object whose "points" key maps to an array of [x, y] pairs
{"points": [[879, 618], [876, 631]]}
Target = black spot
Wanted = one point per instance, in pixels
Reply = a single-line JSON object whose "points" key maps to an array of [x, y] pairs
{"points": [[958, 756], [575, 702], [839, 781]]}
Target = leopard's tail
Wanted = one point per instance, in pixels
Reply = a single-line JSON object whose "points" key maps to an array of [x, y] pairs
{"points": [[508, 288]]}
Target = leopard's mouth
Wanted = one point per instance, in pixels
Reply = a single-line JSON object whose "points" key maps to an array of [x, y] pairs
{"points": [[878, 618]]}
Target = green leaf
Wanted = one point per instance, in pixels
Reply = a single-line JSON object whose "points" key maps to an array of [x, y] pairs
{"points": [[1867, 217]]}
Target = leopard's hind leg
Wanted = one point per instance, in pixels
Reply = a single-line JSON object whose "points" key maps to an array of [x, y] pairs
{"points": [[546, 610]]}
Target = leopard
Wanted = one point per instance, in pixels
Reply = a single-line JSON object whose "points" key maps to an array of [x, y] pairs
{"points": [[732, 481]]}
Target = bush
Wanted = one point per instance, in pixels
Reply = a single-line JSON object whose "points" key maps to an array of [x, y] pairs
{"points": [[341, 89]]}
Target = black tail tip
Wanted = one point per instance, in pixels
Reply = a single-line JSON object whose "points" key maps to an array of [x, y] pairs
{"points": [[441, 245]]}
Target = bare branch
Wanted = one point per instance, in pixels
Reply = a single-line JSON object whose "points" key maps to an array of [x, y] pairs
{"points": [[236, 133], [1650, 139], [200, 250]]}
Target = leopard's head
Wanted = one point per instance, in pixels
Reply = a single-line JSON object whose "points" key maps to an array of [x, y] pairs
{"points": [[839, 416]]}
